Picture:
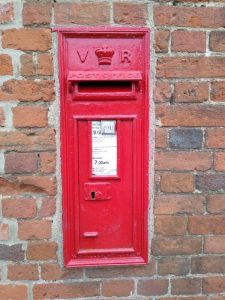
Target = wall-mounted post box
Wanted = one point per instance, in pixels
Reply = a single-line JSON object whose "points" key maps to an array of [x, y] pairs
{"points": [[104, 144]]}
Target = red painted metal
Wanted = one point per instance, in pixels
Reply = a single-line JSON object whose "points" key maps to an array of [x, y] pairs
{"points": [[104, 76]]}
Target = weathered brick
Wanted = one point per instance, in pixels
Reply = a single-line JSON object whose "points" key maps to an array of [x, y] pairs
{"points": [[179, 204], [170, 225], [12, 291], [160, 138], [188, 41], [214, 244], [66, 290], [216, 204], [219, 161], [28, 67], [210, 182], [185, 138], [44, 66], [215, 138], [23, 272], [19, 208], [34, 229], [82, 13], [2, 117], [173, 265], [213, 284], [51, 271], [183, 161], [162, 91], [152, 287], [30, 116], [218, 91], [208, 264], [206, 224], [20, 162], [177, 182], [196, 17], [27, 90], [47, 162], [191, 115], [185, 286], [27, 39], [41, 250], [176, 245], [191, 92], [6, 67], [34, 140], [117, 288], [190, 67], [12, 253], [37, 13], [4, 232], [48, 207], [6, 13], [162, 41], [130, 13], [217, 41]]}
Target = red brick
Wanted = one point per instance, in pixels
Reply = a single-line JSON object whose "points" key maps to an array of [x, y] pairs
{"points": [[210, 182], [34, 229], [177, 182], [216, 204], [30, 116], [47, 162], [184, 298], [191, 115], [213, 284], [34, 140], [37, 13], [39, 184], [217, 41], [23, 272], [173, 265], [66, 290], [82, 13], [177, 245], [177, 204], [47, 208], [28, 67], [41, 250], [185, 286], [215, 138], [162, 91], [117, 288], [190, 67], [27, 39], [183, 161], [214, 244], [12, 291], [219, 161], [206, 224], [188, 41], [6, 67], [196, 17], [161, 41], [27, 90], [152, 287], [160, 138], [208, 264], [130, 13], [18, 208], [2, 117], [170, 225], [20, 162], [4, 232], [55, 272], [6, 13], [218, 91], [44, 66], [190, 92]]}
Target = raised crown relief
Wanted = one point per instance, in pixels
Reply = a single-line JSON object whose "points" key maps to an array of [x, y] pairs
{"points": [[104, 55]]}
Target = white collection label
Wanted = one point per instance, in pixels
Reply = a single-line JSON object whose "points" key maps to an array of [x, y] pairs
{"points": [[104, 148]]}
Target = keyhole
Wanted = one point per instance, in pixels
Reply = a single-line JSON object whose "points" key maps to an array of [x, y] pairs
{"points": [[92, 195]]}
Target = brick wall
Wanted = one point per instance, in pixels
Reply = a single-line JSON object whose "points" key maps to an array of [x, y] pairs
{"points": [[187, 253]]}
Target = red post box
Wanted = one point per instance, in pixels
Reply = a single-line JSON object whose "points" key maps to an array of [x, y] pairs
{"points": [[104, 78]]}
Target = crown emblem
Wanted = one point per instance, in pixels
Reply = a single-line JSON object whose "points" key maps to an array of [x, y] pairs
{"points": [[104, 55]]}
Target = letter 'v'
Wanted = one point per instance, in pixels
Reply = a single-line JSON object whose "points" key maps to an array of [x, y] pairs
{"points": [[82, 53]]}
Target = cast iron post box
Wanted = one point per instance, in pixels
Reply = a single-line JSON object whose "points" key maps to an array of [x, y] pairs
{"points": [[104, 144]]}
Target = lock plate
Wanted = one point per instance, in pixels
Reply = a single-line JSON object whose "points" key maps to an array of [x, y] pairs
{"points": [[97, 191]]}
